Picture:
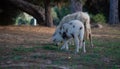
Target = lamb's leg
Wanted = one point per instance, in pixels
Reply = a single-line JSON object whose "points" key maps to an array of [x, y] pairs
{"points": [[65, 45], [90, 38], [82, 44], [71, 42], [84, 48], [77, 44]]}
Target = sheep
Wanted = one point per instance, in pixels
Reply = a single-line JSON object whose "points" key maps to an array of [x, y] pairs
{"points": [[84, 18], [73, 29]]}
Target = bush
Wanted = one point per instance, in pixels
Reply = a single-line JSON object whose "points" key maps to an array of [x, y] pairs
{"points": [[98, 18], [58, 14], [56, 21], [23, 19], [62, 12], [55, 17]]}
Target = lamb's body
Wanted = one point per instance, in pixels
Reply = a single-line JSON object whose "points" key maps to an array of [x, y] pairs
{"points": [[72, 29], [84, 18]]}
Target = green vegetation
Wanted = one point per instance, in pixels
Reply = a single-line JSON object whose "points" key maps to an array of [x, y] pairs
{"points": [[98, 18], [58, 14], [104, 55], [50, 47], [23, 49]]}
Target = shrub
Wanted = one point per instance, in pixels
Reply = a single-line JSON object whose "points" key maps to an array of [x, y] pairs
{"points": [[62, 12], [98, 18], [58, 14], [23, 18], [55, 17], [56, 21]]}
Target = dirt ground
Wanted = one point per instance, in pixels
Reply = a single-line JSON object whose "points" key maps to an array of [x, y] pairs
{"points": [[28, 36], [11, 35]]}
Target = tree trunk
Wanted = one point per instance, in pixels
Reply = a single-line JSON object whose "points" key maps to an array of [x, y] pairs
{"points": [[113, 14], [48, 17], [30, 9], [76, 5]]}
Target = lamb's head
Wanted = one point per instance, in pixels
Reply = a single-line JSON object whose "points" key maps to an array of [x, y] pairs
{"points": [[57, 37]]}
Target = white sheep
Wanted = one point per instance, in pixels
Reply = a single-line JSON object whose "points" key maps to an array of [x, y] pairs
{"points": [[73, 29], [82, 16]]}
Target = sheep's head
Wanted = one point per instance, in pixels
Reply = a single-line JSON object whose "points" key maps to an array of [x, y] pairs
{"points": [[57, 37]]}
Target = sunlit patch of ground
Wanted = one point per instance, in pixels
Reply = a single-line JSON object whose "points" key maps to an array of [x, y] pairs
{"points": [[25, 35]]}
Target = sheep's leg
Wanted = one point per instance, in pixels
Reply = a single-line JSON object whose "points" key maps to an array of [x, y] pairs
{"points": [[71, 42], [77, 44], [80, 43], [81, 38], [65, 45], [90, 38], [84, 48]]}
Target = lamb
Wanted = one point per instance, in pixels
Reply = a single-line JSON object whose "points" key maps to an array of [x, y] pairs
{"points": [[73, 29], [84, 18]]}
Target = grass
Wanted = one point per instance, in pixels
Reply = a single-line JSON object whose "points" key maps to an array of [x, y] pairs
{"points": [[50, 47], [104, 55], [18, 53], [22, 49]]}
